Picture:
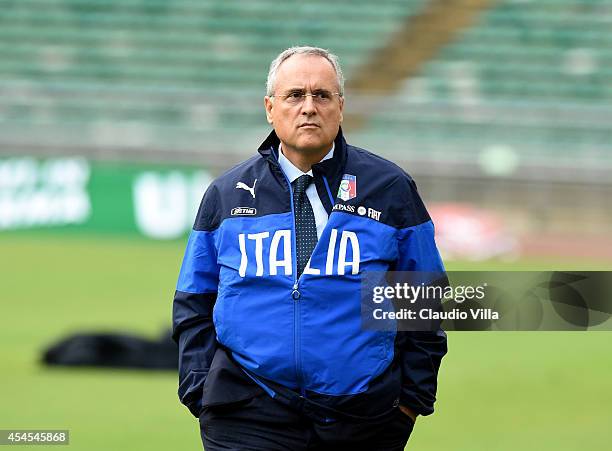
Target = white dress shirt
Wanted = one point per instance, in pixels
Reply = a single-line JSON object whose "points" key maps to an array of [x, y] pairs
{"points": [[293, 173]]}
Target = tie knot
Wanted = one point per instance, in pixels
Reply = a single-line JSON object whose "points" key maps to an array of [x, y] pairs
{"points": [[301, 183]]}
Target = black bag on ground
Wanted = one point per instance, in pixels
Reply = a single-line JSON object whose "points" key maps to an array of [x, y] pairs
{"points": [[114, 350]]}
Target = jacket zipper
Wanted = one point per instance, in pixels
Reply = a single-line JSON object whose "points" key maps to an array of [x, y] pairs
{"points": [[295, 293], [295, 296]]}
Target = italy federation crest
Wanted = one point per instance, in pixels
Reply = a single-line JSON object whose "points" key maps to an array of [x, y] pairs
{"points": [[348, 187]]}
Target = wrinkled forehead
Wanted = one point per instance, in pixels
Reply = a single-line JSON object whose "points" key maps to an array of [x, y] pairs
{"points": [[306, 72]]}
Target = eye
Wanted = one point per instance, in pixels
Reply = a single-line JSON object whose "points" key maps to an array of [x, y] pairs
{"points": [[322, 95], [294, 95]]}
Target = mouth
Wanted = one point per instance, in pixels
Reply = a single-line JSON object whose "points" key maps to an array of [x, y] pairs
{"points": [[309, 125]]}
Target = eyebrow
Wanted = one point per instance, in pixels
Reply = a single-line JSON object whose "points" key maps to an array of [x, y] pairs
{"points": [[304, 89], [315, 87]]}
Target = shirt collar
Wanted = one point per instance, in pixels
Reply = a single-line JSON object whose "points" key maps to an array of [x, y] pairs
{"points": [[291, 171]]}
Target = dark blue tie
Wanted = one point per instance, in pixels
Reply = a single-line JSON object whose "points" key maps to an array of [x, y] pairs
{"points": [[305, 225]]}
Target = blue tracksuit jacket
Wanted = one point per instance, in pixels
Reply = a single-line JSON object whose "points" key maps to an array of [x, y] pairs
{"points": [[238, 288]]}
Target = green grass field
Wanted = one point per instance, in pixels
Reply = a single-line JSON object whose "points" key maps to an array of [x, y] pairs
{"points": [[498, 391]]}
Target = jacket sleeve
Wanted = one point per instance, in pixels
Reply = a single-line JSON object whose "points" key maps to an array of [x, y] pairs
{"points": [[420, 353], [194, 299]]}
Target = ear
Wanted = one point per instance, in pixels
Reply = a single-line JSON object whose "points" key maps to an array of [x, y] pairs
{"points": [[341, 108], [268, 104]]}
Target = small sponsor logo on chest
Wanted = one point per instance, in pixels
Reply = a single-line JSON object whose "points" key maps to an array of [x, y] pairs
{"points": [[361, 211], [244, 211]]}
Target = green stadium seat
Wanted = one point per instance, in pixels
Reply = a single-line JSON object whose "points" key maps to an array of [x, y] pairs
{"points": [[533, 75]]}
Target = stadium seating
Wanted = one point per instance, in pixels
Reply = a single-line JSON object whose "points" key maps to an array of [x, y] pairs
{"points": [[531, 77], [160, 70]]}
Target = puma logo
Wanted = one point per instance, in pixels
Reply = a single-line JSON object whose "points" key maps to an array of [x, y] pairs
{"points": [[241, 185]]}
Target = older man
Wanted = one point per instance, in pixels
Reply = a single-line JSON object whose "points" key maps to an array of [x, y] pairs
{"points": [[273, 355]]}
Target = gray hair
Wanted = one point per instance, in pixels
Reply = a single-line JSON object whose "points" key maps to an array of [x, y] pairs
{"points": [[304, 50]]}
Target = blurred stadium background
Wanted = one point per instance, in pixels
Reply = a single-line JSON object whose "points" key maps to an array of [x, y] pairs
{"points": [[116, 114]]}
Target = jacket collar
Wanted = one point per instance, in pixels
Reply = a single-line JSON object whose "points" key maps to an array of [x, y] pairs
{"points": [[330, 168]]}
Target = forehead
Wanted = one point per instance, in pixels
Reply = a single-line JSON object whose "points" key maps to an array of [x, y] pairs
{"points": [[312, 71]]}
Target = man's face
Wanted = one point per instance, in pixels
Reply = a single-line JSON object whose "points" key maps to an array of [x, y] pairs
{"points": [[308, 126]]}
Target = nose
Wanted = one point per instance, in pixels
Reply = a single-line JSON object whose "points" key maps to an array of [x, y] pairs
{"points": [[308, 106]]}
